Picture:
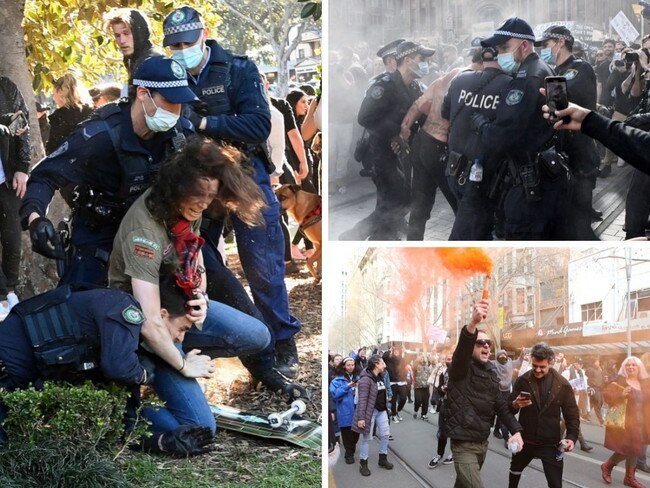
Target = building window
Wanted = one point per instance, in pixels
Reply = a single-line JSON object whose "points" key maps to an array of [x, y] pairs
{"points": [[551, 289], [592, 311], [640, 303], [520, 306]]}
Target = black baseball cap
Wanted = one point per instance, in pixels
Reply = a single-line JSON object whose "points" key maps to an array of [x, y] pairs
{"points": [[183, 24], [555, 32], [390, 48], [512, 27], [407, 48]]}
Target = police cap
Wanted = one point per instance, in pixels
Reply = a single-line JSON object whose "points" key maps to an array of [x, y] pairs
{"points": [[389, 49], [512, 27], [165, 76], [183, 24], [407, 48], [555, 32]]}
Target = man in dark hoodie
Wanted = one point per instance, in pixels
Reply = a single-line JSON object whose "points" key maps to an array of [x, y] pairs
{"points": [[130, 29]]}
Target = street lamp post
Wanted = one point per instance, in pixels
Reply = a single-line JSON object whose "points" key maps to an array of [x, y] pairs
{"points": [[628, 276]]}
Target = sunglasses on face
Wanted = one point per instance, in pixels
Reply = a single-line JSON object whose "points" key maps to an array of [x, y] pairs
{"points": [[483, 342]]}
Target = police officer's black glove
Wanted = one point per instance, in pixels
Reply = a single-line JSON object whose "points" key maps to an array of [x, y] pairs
{"points": [[192, 116], [187, 440], [45, 240], [478, 121]]}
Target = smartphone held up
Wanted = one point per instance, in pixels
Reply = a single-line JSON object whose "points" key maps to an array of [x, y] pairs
{"points": [[556, 97]]}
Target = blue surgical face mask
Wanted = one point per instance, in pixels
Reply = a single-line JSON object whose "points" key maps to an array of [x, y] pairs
{"points": [[162, 120], [507, 62], [547, 55], [421, 70], [189, 58]]}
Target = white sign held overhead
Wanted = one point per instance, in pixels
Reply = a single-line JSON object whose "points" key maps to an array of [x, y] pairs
{"points": [[624, 28]]}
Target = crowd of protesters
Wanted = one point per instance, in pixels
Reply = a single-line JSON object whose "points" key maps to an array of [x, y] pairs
{"points": [[591, 393]]}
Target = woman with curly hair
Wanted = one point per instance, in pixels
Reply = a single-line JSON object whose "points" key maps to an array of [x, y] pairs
{"points": [[631, 389], [159, 237]]}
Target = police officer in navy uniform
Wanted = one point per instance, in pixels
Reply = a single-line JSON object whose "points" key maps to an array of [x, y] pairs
{"points": [[473, 92], [535, 205], [233, 108], [386, 102], [387, 54], [76, 335], [557, 49], [109, 161]]}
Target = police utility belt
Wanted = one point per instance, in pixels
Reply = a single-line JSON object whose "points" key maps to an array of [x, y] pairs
{"points": [[97, 209], [458, 166], [59, 346], [549, 164]]}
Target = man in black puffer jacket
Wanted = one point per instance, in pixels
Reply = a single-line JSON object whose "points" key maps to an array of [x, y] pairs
{"points": [[472, 401]]}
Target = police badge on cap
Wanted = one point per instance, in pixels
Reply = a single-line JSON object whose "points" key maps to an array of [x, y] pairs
{"points": [[182, 25]]}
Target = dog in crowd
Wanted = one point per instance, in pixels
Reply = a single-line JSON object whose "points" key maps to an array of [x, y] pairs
{"points": [[307, 210]]}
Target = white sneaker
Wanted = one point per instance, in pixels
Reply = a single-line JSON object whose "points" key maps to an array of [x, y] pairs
{"points": [[620, 163], [12, 300]]}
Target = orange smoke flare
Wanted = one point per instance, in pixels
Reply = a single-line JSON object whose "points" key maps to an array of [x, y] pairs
{"points": [[464, 261], [486, 288]]}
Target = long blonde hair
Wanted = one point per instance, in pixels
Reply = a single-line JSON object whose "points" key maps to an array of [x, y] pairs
{"points": [[73, 91]]}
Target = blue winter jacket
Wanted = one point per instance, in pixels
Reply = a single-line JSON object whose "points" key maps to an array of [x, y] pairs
{"points": [[344, 397]]}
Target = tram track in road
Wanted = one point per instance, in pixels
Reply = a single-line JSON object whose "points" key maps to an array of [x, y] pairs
{"points": [[420, 476], [427, 483]]}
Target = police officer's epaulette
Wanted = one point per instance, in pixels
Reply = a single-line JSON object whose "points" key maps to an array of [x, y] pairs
{"points": [[385, 78], [97, 122], [239, 56], [521, 73]]}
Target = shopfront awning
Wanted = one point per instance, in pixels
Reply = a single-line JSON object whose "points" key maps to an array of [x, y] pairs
{"points": [[638, 347]]}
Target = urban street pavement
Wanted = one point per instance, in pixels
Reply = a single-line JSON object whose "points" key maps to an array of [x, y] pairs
{"points": [[414, 445], [353, 199]]}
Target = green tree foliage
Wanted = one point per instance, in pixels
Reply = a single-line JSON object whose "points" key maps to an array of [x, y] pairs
{"points": [[61, 35], [312, 8], [278, 25]]}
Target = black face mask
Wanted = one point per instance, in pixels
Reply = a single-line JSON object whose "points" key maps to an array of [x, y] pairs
{"points": [[502, 360]]}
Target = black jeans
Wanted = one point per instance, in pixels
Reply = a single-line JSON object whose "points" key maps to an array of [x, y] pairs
{"points": [[393, 198], [637, 206], [421, 400], [429, 155], [552, 468], [399, 398], [10, 232], [349, 438]]}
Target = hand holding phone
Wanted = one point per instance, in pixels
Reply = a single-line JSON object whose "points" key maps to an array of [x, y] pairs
{"points": [[525, 394], [556, 97]]}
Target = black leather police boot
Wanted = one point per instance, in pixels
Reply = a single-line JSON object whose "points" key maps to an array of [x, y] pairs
{"points": [[286, 357], [363, 469], [384, 463]]}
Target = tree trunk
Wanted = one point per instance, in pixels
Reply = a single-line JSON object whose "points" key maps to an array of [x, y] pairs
{"points": [[38, 274]]}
